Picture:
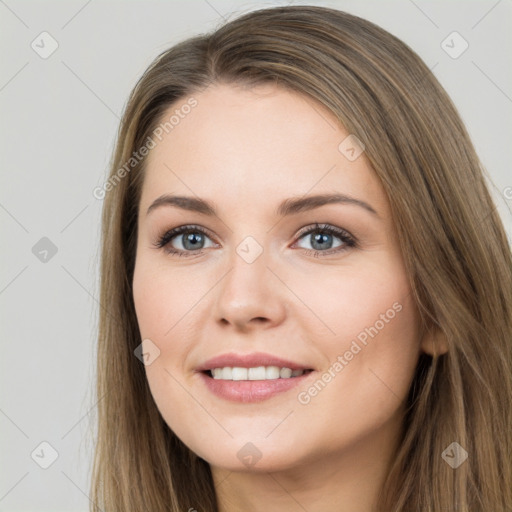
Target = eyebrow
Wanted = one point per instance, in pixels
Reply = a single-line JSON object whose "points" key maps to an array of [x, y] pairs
{"points": [[288, 207]]}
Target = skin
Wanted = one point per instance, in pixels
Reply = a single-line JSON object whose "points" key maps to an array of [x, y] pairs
{"points": [[246, 150]]}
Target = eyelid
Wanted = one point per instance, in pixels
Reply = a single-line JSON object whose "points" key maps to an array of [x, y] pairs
{"points": [[323, 227]]}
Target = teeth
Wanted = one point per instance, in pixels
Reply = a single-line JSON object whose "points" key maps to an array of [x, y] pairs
{"points": [[239, 373], [272, 372], [257, 373], [226, 373], [285, 373], [217, 373]]}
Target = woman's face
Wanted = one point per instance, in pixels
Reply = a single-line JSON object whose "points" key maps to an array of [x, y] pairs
{"points": [[264, 287]]}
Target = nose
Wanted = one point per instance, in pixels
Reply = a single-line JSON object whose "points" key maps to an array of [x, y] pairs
{"points": [[250, 296]]}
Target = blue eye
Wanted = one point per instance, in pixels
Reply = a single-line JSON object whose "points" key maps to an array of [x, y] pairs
{"points": [[322, 238], [193, 238]]}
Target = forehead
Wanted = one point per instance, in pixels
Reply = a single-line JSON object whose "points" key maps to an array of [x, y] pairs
{"points": [[263, 143]]}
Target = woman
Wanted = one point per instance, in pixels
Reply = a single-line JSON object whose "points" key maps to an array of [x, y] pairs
{"points": [[243, 370]]}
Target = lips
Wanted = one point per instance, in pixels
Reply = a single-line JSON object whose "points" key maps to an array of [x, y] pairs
{"points": [[252, 360], [254, 389]]}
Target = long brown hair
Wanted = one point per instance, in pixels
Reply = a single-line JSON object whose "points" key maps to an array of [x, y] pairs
{"points": [[454, 245]]}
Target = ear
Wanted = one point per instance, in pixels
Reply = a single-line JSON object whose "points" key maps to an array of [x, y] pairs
{"points": [[433, 342]]}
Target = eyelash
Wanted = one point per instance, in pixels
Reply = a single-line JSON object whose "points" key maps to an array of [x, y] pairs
{"points": [[348, 240]]}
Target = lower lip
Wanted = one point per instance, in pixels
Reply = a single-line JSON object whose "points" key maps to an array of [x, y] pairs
{"points": [[248, 391]]}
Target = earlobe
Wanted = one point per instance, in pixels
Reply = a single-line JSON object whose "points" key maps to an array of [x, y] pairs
{"points": [[434, 342]]}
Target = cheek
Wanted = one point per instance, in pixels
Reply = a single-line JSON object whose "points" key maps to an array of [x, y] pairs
{"points": [[161, 304], [170, 313], [377, 367], [351, 302], [161, 299], [144, 297], [372, 343]]}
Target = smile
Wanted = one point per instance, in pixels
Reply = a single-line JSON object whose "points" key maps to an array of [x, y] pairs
{"points": [[252, 377], [246, 385], [255, 373]]}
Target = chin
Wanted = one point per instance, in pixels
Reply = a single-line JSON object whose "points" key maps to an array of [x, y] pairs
{"points": [[256, 455], [252, 461]]}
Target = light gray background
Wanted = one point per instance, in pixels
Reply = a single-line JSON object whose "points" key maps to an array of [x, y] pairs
{"points": [[59, 117]]}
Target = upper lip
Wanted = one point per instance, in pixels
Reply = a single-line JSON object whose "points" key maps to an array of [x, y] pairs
{"points": [[252, 360]]}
